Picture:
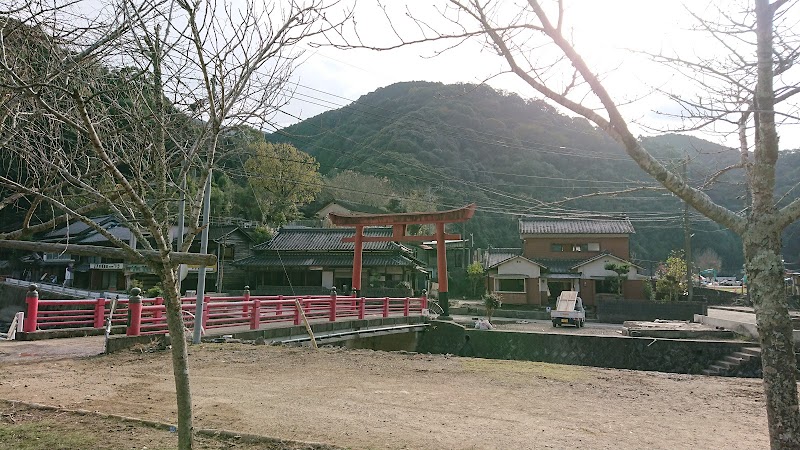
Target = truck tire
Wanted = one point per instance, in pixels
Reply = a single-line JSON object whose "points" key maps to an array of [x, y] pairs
{"points": [[555, 323]]}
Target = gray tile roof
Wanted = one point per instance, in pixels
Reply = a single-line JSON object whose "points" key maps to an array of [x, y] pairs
{"points": [[76, 228], [344, 259], [121, 232], [323, 239], [495, 256], [576, 226], [559, 265]]}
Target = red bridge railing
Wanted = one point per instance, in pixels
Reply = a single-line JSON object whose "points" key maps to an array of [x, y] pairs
{"points": [[144, 316]]}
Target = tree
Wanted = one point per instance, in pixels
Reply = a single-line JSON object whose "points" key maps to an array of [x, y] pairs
{"points": [[476, 277], [491, 302], [708, 259], [111, 111], [282, 178], [748, 83], [671, 277], [620, 270]]}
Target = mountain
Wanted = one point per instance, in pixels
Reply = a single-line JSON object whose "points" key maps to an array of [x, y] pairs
{"points": [[467, 143]]}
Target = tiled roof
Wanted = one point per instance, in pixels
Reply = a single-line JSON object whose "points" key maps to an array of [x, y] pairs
{"points": [[558, 265], [345, 259], [75, 228], [324, 239], [495, 256], [577, 226], [121, 232]]}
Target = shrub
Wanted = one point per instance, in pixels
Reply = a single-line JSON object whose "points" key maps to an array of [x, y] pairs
{"points": [[491, 302]]}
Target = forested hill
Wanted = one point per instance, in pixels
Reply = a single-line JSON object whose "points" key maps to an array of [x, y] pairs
{"points": [[463, 143]]}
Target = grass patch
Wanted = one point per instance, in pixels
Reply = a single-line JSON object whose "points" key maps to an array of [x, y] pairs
{"points": [[45, 435]]}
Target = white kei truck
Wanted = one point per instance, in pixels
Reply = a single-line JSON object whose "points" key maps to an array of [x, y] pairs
{"points": [[569, 310]]}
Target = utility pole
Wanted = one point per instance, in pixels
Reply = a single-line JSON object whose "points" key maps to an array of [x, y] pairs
{"points": [[201, 271], [687, 235]]}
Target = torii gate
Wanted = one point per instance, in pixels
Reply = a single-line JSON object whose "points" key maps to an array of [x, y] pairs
{"points": [[398, 223]]}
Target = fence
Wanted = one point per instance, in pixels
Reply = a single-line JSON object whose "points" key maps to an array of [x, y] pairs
{"points": [[148, 316]]}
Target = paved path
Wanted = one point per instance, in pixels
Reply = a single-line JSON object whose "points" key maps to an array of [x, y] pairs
{"points": [[741, 314], [46, 349]]}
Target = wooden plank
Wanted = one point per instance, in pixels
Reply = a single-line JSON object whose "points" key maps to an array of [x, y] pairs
{"points": [[109, 252], [12, 330], [305, 321], [566, 301]]}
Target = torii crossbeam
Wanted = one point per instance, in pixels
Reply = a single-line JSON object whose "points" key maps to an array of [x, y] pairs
{"points": [[399, 222]]}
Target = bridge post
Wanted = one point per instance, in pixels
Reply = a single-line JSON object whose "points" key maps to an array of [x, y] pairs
{"points": [[406, 306], [424, 299], [157, 312], [362, 307], [279, 307], [385, 306], [255, 315], [333, 305], [31, 316], [246, 299], [134, 313], [206, 299], [99, 310]]}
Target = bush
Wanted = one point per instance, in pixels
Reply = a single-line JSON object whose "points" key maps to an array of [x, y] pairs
{"points": [[154, 291], [491, 302]]}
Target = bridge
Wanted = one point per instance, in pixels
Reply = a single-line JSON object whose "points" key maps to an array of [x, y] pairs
{"points": [[279, 317]]}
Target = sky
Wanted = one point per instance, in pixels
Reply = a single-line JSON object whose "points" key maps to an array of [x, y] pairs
{"points": [[604, 32]]}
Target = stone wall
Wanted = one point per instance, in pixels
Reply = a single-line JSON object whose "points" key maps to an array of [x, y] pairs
{"points": [[12, 300], [663, 355], [715, 296], [618, 311]]}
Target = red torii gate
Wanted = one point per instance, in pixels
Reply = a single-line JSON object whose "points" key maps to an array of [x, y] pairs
{"points": [[398, 222]]}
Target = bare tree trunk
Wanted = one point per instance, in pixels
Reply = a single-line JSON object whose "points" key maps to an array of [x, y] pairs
{"points": [[762, 246], [180, 359], [762, 251]]}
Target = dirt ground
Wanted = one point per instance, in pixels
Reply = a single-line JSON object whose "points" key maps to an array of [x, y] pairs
{"points": [[366, 399]]}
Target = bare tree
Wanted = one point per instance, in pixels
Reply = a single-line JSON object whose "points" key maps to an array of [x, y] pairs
{"points": [[111, 112], [750, 76]]}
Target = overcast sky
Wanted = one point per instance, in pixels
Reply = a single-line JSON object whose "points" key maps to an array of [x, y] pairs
{"points": [[604, 31]]}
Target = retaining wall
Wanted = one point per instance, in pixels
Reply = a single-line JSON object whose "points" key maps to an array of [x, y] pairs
{"points": [[622, 352], [618, 311]]}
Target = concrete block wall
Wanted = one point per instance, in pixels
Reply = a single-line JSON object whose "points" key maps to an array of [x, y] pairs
{"points": [[618, 311], [663, 355]]}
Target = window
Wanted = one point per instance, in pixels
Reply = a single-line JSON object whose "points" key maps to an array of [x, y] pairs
{"points": [[228, 252], [556, 247], [594, 246], [511, 285], [580, 247]]}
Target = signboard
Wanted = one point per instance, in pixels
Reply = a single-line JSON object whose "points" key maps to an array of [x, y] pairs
{"points": [[107, 266], [194, 268], [137, 268]]}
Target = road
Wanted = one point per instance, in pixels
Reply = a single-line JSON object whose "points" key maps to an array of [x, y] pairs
{"points": [[545, 326]]}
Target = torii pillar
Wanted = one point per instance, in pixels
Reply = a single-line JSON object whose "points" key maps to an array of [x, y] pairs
{"points": [[399, 222]]}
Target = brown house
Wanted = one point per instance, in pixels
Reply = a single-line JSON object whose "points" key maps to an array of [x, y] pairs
{"points": [[564, 254]]}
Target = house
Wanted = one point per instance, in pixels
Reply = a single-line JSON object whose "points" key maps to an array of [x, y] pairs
{"points": [[101, 273], [229, 243], [565, 254], [313, 260], [343, 207]]}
